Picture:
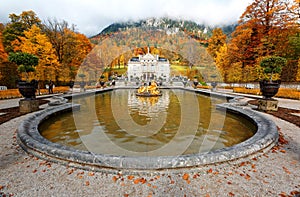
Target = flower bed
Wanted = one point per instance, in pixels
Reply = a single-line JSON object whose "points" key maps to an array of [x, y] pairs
{"points": [[282, 93], [14, 93]]}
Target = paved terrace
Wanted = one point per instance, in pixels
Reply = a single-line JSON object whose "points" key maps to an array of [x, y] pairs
{"points": [[274, 173]]}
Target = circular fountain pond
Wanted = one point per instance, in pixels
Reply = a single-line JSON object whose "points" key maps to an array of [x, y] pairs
{"points": [[117, 129]]}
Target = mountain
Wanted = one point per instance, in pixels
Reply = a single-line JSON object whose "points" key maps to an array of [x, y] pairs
{"points": [[200, 32]]}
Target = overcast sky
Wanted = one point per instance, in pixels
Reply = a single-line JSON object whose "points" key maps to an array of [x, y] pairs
{"points": [[92, 16]]}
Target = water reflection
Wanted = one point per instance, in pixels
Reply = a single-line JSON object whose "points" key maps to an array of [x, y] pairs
{"points": [[120, 123]]}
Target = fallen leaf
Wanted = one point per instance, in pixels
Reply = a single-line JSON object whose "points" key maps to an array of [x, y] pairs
{"points": [[231, 194], [136, 181], [274, 151], [130, 177], [80, 176], [294, 162], [295, 193], [229, 182], [209, 171], [126, 195], [283, 194], [1, 187], [143, 180], [283, 151], [71, 171], [286, 170], [34, 171], [266, 182], [247, 177], [43, 163], [185, 176], [114, 179], [196, 175], [87, 183], [207, 195], [91, 173]]}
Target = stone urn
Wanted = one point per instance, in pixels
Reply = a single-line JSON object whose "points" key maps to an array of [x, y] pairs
{"points": [[28, 89], [102, 83], [195, 83], [269, 88]]}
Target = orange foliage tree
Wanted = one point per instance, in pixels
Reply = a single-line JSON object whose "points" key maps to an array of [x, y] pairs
{"points": [[3, 54], [264, 29], [37, 43], [70, 47]]}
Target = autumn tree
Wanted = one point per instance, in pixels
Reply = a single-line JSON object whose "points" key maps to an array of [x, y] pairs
{"points": [[70, 47], [3, 54], [37, 43], [217, 40], [262, 31], [16, 27]]}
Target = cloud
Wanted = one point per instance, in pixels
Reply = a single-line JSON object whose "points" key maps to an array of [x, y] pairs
{"points": [[91, 16]]}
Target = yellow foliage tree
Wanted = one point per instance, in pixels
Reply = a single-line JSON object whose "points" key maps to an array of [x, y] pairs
{"points": [[235, 72], [222, 62], [298, 71], [37, 43], [217, 40]]}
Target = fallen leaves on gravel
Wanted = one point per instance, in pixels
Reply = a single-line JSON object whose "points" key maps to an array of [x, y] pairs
{"points": [[286, 170]]}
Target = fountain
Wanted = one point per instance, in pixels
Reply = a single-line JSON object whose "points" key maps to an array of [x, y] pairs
{"points": [[136, 139], [149, 91], [149, 129]]}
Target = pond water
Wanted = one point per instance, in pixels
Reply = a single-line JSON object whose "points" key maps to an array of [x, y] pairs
{"points": [[120, 123]]}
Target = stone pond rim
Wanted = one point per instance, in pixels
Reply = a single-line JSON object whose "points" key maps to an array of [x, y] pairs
{"points": [[32, 142]]}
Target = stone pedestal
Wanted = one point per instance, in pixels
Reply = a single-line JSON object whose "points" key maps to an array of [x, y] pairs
{"points": [[27, 106], [268, 105]]}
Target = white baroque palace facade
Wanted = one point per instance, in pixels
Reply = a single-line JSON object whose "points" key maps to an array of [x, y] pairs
{"points": [[148, 67]]}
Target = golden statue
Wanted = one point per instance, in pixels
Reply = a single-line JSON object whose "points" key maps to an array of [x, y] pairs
{"points": [[151, 90]]}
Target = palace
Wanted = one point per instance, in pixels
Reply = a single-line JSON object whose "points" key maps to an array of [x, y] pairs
{"points": [[148, 67]]}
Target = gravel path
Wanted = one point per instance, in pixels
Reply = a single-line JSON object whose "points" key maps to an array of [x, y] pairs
{"points": [[275, 173]]}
